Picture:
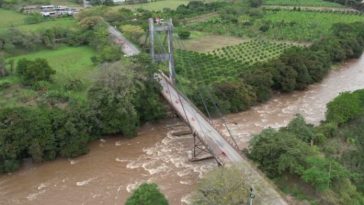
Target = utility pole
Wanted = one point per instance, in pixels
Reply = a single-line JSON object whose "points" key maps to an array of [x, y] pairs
{"points": [[251, 197], [161, 56]]}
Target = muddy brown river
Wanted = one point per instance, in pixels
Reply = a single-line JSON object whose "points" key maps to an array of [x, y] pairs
{"points": [[115, 166]]}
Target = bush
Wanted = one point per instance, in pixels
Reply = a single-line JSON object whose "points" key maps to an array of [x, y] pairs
{"points": [[347, 106], [33, 71], [132, 32], [147, 194], [184, 34]]}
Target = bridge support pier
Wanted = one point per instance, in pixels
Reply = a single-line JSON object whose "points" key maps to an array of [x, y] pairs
{"points": [[200, 151]]}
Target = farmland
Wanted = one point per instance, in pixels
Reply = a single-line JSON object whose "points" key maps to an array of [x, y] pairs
{"points": [[201, 42], [252, 52], [69, 63], [306, 26], [227, 62], [300, 26], [315, 3]]}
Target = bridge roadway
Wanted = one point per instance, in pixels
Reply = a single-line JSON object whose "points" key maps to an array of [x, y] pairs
{"points": [[265, 191]]}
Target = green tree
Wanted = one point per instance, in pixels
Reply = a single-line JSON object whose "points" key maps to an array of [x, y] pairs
{"points": [[262, 82], [33, 71], [132, 32], [239, 95], [279, 152], [111, 98], [347, 106], [222, 186], [321, 172], [147, 194]]}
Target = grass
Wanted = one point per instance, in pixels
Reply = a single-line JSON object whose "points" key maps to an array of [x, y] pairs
{"points": [[13, 19], [305, 25], [201, 42], [59, 22], [157, 5], [302, 26], [314, 3], [10, 18], [70, 63]]}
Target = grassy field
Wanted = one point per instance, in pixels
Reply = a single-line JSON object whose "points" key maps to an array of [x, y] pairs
{"points": [[157, 5], [201, 42], [60, 22], [70, 63], [17, 20], [306, 26], [10, 18], [315, 3], [154, 6]]}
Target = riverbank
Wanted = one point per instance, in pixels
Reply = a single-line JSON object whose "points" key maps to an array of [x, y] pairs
{"points": [[116, 165]]}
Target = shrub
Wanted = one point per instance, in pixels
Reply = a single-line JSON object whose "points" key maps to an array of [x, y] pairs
{"points": [[33, 71], [184, 34], [347, 106], [147, 194]]}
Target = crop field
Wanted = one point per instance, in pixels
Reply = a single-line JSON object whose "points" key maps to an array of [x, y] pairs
{"points": [[252, 52], [315, 3], [304, 25], [227, 62], [70, 63], [205, 68], [201, 42]]}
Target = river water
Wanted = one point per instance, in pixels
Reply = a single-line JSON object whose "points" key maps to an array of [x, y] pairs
{"points": [[115, 166]]}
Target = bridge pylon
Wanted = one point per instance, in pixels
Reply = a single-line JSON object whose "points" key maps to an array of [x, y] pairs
{"points": [[157, 26]]}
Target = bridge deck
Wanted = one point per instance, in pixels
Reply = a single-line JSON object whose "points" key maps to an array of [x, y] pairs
{"points": [[217, 144]]}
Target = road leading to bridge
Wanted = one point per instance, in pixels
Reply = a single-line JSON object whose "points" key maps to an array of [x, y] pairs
{"points": [[223, 151], [127, 47]]}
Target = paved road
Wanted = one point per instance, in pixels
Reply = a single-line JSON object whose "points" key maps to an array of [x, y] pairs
{"points": [[127, 47], [265, 190]]}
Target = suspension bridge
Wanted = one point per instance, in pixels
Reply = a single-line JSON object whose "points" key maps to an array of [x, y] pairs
{"points": [[207, 138]]}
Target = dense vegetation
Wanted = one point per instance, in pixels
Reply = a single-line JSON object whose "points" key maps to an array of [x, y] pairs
{"points": [[328, 158], [123, 96]]}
